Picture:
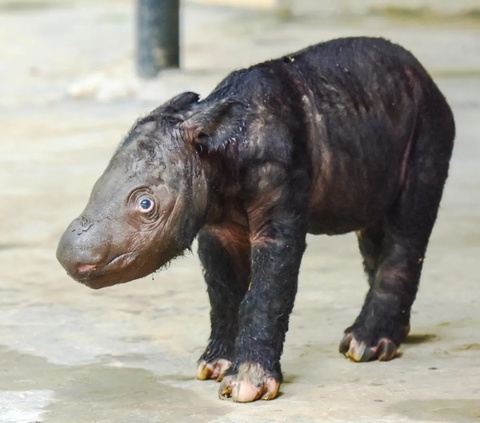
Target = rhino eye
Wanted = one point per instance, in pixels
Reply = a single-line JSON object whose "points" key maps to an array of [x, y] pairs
{"points": [[146, 205]]}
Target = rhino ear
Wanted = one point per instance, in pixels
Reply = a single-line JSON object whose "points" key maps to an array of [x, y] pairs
{"points": [[177, 104], [214, 125]]}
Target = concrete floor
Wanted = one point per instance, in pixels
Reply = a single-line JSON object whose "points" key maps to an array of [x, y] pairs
{"points": [[127, 354]]}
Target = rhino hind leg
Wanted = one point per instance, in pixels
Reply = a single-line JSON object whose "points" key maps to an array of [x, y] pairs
{"points": [[376, 334], [394, 249]]}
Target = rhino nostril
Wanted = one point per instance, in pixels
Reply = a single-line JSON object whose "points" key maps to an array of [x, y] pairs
{"points": [[83, 268]]}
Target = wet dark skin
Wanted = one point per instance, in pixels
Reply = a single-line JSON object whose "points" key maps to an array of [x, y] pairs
{"points": [[348, 135]]}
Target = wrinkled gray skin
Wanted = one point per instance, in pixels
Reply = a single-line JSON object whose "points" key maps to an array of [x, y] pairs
{"points": [[115, 240]]}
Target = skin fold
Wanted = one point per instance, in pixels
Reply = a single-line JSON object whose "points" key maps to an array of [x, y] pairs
{"points": [[347, 135]]}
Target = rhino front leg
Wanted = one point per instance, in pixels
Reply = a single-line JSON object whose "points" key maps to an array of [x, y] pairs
{"points": [[264, 313], [225, 256]]}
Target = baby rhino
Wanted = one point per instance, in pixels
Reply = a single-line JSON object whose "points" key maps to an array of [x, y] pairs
{"points": [[347, 135]]}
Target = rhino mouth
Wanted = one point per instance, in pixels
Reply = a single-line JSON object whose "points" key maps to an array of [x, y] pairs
{"points": [[121, 260], [92, 274]]}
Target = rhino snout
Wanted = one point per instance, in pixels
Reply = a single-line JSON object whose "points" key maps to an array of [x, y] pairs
{"points": [[82, 250]]}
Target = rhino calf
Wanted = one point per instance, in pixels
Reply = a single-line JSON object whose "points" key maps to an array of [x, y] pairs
{"points": [[347, 135]]}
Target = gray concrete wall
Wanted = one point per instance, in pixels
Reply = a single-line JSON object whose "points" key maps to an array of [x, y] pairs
{"points": [[364, 6], [352, 6]]}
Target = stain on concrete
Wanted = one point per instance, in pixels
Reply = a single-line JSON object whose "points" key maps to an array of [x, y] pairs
{"points": [[440, 410], [415, 339], [11, 246], [462, 323], [422, 13], [468, 347], [82, 392]]}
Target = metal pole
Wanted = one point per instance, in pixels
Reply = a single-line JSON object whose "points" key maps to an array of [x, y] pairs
{"points": [[158, 44]]}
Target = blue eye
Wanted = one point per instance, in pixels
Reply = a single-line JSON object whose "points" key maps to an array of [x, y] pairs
{"points": [[145, 204]]}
